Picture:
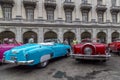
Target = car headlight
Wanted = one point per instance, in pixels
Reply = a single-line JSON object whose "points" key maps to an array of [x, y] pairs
{"points": [[87, 50]]}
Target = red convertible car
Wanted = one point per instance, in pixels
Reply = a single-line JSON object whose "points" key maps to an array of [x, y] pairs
{"points": [[7, 44], [115, 46], [88, 50]]}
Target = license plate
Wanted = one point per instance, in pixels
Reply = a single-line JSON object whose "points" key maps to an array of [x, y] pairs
{"points": [[12, 58]]}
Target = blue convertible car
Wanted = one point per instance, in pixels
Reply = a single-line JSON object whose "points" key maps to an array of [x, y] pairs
{"points": [[34, 54]]}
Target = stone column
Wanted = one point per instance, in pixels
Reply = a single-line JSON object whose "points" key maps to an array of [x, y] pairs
{"points": [[94, 34], [107, 13], [78, 35], [60, 35], [118, 17], [18, 34], [109, 36], [19, 9], [93, 11], [40, 35], [1, 14], [40, 9], [77, 8], [59, 9]]}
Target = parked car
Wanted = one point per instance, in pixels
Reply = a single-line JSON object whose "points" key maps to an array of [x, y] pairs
{"points": [[88, 50], [36, 53], [7, 44], [114, 46]]}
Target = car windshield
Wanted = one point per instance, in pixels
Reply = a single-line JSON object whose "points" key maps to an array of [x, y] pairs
{"points": [[8, 41], [86, 41], [52, 40]]}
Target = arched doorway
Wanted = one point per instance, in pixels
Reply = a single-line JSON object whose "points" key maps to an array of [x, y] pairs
{"points": [[85, 35], [115, 35], [6, 34], [50, 35], [69, 36], [27, 35], [102, 37]]}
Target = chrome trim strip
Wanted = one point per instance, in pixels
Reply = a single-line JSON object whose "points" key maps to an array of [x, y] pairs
{"points": [[98, 57], [18, 62]]}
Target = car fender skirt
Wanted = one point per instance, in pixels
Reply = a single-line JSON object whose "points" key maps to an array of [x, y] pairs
{"points": [[45, 57]]}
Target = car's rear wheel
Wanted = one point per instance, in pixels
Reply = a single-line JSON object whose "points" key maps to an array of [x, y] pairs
{"points": [[0, 63], [68, 53], [109, 50], [44, 64], [103, 61], [78, 60]]}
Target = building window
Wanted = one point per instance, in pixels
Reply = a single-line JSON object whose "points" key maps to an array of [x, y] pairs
{"points": [[99, 2], [113, 2], [84, 1], [114, 18], [50, 15], [68, 15], [100, 17], [30, 14], [7, 12], [85, 16]]}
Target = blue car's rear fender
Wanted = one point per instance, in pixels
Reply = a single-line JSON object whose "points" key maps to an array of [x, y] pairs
{"points": [[36, 54]]}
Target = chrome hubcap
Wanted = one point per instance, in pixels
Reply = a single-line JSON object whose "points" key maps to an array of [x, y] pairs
{"points": [[43, 64], [88, 51]]}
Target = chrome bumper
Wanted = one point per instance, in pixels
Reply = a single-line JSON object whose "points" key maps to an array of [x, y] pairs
{"points": [[18, 62], [91, 57]]}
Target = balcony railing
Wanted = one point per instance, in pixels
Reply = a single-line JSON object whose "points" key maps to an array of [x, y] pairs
{"points": [[50, 4], [7, 1], [31, 3], [115, 9], [54, 23], [86, 6], [68, 5], [100, 7]]}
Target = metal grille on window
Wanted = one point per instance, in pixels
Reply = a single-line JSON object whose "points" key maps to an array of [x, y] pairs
{"points": [[85, 16], [84, 1], [100, 17], [99, 2], [67, 0], [113, 2], [7, 13], [50, 15], [68, 16], [30, 14], [114, 18]]}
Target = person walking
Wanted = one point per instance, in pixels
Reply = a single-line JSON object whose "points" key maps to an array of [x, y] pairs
{"points": [[65, 41]]}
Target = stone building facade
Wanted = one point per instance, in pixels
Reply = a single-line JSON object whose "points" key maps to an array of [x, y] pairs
{"points": [[62, 19]]}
